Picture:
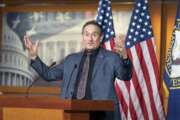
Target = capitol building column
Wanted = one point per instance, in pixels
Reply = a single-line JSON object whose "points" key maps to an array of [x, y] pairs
{"points": [[8, 79], [14, 80], [3, 79]]}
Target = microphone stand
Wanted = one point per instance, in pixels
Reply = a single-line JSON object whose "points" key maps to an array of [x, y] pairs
{"points": [[30, 86]]}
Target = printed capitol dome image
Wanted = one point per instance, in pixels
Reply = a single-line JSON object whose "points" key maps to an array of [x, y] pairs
{"points": [[14, 69]]}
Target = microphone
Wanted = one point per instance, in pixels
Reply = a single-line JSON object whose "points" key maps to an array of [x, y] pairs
{"points": [[75, 66], [52, 64], [38, 78]]}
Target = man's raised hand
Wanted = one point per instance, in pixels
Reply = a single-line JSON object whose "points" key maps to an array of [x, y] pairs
{"points": [[31, 47]]}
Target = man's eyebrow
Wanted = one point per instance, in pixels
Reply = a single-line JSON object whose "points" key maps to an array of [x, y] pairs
{"points": [[97, 32], [85, 31]]}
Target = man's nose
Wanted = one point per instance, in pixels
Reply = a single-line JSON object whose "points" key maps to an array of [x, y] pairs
{"points": [[91, 37]]}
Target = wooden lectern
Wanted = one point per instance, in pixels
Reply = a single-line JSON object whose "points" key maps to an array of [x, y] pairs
{"points": [[49, 108]]}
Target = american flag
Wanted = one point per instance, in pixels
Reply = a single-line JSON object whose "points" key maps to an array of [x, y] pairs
{"points": [[145, 100], [139, 98], [105, 19]]}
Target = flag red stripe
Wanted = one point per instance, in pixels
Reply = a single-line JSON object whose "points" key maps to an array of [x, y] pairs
{"points": [[132, 110], [147, 79], [138, 90], [154, 61], [103, 45], [156, 71], [112, 43], [123, 103]]}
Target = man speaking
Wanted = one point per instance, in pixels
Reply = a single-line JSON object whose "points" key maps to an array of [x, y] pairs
{"points": [[89, 74]]}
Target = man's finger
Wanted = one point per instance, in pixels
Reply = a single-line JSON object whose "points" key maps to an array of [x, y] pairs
{"points": [[25, 42], [37, 43], [29, 40]]}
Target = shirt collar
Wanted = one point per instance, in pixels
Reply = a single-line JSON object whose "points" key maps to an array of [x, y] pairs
{"points": [[92, 52]]}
